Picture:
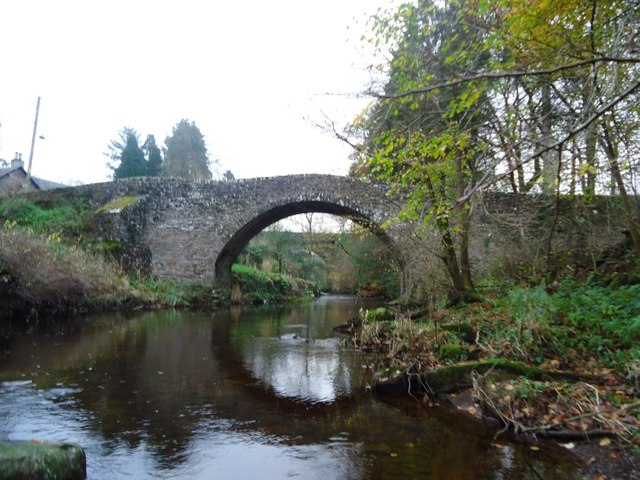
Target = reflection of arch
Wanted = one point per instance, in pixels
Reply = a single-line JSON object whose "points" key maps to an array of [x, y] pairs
{"points": [[243, 236], [263, 396]]}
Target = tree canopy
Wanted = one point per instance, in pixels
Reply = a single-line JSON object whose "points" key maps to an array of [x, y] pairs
{"points": [[129, 159], [533, 96], [153, 156], [185, 153], [127, 156]]}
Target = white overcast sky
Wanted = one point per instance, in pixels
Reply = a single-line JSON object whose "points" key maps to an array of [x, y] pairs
{"points": [[253, 76]]}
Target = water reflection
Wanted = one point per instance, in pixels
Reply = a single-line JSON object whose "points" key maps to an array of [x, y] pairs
{"points": [[295, 351], [250, 392]]}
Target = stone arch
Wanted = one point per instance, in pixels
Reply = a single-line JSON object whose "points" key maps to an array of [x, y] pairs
{"points": [[288, 208]]}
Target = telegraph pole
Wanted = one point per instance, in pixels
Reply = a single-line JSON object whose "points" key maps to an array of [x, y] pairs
{"points": [[33, 139]]}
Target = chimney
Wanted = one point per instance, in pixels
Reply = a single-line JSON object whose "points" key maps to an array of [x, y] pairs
{"points": [[17, 162]]}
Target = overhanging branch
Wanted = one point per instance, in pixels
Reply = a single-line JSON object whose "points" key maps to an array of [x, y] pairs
{"points": [[507, 74]]}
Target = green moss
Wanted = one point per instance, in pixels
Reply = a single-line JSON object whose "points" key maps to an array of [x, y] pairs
{"points": [[448, 353], [118, 203], [27, 460], [457, 377], [380, 314], [112, 247]]}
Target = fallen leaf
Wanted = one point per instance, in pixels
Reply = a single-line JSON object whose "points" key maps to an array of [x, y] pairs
{"points": [[393, 454], [535, 448], [605, 442], [472, 410], [613, 455], [568, 446]]}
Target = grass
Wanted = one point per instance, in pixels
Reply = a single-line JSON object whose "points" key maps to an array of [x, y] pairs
{"points": [[251, 285], [65, 220], [43, 275]]}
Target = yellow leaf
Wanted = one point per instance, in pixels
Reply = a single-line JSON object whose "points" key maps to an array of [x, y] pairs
{"points": [[393, 454], [535, 448], [605, 442]]}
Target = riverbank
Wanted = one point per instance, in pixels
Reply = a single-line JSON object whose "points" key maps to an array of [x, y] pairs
{"points": [[44, 276], [560, 363]]}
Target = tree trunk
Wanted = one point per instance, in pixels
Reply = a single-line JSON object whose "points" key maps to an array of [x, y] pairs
{"points": [[630, 210], [549, 166]]}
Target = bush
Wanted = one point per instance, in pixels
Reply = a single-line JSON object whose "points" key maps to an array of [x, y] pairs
{"points": [[259, 286], [65, 220]]}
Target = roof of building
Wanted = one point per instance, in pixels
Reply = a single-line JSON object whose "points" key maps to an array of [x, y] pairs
{"points": [[40, 183]]}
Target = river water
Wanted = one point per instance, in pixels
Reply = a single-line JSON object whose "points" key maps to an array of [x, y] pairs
{"points": [[248, 393]]}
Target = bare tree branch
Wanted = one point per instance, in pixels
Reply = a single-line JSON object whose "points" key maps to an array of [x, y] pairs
{"points": [[573, 132], [508, 74]]}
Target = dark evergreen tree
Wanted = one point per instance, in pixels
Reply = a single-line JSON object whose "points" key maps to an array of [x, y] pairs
{"points": [[185, 154], [127, 156], [153, 156]]}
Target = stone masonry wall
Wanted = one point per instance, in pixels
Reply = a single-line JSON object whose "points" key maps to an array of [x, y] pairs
{"points": [[192, 231]]}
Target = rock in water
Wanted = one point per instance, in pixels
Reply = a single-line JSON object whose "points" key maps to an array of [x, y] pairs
{"points": [[46, 461]]}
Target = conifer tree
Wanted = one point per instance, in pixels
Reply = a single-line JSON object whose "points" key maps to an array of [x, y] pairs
{"points": [[127, 156], [185, 154]]}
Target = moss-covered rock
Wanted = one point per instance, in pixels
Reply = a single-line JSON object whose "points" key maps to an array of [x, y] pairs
{"points": [[36, 460], [379, 314], [449, 353]]}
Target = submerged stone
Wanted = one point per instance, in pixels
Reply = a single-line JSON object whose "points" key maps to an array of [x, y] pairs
{"points": [[37, 460]]}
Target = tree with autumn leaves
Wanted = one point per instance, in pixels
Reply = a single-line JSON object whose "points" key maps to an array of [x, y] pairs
{"points": [[507, 95]]}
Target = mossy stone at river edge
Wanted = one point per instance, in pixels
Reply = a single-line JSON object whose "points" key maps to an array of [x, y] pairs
{"points": [[48, 461]]}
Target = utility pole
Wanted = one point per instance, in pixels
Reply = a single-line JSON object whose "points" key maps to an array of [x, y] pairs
{"points": [[33, 139]]}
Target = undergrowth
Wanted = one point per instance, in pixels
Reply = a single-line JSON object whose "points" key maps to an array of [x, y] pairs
{"points": [[577, 322], [251, 285]]}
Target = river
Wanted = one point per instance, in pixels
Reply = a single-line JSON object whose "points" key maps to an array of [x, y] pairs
{"points": [[246, 393]]}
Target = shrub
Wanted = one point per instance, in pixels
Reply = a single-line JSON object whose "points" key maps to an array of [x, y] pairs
{"points": [[260, 286], [64, 219], [42, 274]]}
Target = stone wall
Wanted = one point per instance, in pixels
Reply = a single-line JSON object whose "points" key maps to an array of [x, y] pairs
{"points": [[193, 231], [521, 235]]}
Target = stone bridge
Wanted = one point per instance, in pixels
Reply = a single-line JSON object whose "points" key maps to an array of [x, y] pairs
{"points": [[193, 231]]}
